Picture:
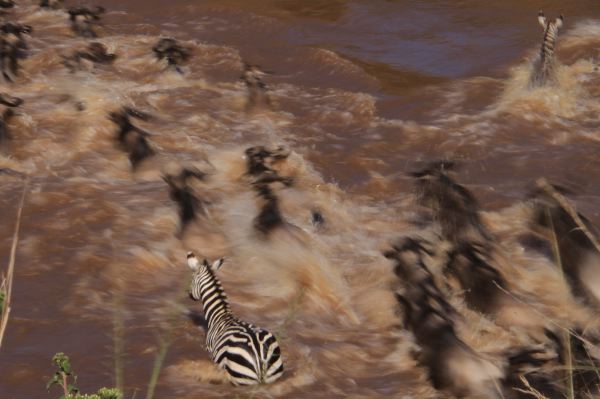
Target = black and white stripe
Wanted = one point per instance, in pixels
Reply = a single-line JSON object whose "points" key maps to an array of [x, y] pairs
{"points": [[249, 354], [546, 62]]}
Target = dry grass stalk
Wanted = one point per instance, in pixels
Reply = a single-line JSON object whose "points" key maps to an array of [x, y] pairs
{"points": [[530, 390], [163, 347], [569, 208], [118, 339], [8, 280], [566, 337], [294, 307], [165, 339]]}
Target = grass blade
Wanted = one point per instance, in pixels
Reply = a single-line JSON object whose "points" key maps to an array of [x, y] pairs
{"points": [[8, 281]]}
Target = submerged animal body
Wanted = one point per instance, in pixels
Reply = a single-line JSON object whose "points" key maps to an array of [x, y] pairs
{"points": [[249, 354], [252, 76], [539, 366], [260, 160], [12, 48], [452, 365], [7, 4], [472, 256], [170, 50], [486, 290], [133, 139], [544, 68], [53, 4], [82, 19], [269, 217], [483, 284], [182, 193], [452, 205], [7, 104], [578, 252], [96, 53], [260, 163]]}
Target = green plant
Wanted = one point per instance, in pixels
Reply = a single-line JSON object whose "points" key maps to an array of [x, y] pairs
{"points": [[70, 391], [119, 336], [2, 294]]}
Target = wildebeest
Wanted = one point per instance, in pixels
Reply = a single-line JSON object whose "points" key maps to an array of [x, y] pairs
{"points": [[6, 4], [7, 105], [83, 18], [252, 76], [170, 50], [260, 160], [181, 191], [95, 53], [269, 218], [452, 365], [486, 290], [576, 244], [54, 4], [452, 205], [13, 47], [132, 138]]}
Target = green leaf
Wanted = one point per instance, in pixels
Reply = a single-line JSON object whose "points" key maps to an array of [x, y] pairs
{"points": [[65, 366], [2, 297], [62, 361], [53, 381], [110, 393]]}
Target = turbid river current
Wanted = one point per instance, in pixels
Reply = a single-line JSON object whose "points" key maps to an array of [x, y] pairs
{"points": [[362, 93]]}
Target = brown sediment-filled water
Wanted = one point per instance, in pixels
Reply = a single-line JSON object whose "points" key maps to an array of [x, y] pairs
{"points": [[363, 93]]}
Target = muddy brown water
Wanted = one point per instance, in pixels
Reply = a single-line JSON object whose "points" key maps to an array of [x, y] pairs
{"points": [[363, 93]]}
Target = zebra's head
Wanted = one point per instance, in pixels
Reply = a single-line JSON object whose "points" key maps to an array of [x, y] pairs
{"points": [[558, 22], [195, 264], [199, 270]]}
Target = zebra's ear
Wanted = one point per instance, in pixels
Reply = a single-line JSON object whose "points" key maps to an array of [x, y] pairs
{"points": [[192, 261], [542, 19], [217, 264], [559, 21]]}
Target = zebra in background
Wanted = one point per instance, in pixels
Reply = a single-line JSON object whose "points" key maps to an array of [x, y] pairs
{"points": [[544, 68], [249, 354]]}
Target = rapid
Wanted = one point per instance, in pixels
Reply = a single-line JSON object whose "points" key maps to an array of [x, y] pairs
{"points": [[362, 94]]}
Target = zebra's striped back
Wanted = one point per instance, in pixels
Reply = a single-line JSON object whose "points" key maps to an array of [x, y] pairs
{"points": [[546, 63], [249, 354]]}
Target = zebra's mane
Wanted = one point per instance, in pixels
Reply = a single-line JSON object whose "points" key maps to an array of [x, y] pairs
{"points": [[222, 295]]}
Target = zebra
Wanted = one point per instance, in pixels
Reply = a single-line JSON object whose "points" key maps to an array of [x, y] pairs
{"points": [[249, 354], [545, 67]]}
